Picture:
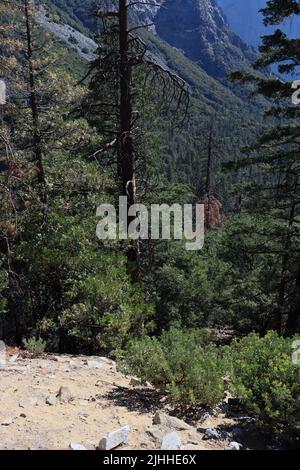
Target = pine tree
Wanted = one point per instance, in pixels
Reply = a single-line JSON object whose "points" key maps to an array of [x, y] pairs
{"points": [[276, 157]]}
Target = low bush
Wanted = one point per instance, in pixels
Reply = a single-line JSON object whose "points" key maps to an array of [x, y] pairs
{"points": [[266, 379], [184, 364]]}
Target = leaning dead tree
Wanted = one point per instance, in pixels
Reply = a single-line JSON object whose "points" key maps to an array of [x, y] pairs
{"points": [[121, 53]]}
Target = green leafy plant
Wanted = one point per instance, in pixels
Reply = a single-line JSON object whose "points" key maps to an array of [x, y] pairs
{"points": [[35, 346], [184, 364], [265, 379]]}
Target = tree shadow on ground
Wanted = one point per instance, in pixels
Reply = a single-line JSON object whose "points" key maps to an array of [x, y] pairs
{"points": [[142, 400]]}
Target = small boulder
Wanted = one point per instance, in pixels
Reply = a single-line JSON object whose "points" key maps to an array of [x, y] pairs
{"points": [[170, 422], [233, 446], [26, 402], [171, 441], [115, 439], [51, 400], [74, 446], [13, 358], [134, 382]]}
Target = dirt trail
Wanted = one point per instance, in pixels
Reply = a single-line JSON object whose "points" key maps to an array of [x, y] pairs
{"points": [[98, 400]]}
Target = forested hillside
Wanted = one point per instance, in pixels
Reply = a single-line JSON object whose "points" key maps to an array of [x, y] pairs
{"points": [[151, 115]]}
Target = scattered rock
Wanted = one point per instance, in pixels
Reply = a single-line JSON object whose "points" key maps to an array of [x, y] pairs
{"points": [[233, 446], [155, 434], [193, 442], [94, 364], [171, 442], [115, 438], [135, 382], [51, 400], [8, 421], [26, 402], [211, 434], [74, 446], [170, 422], [13, 358], [64, 395]]}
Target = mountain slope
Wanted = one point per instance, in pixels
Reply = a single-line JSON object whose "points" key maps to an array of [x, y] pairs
{"points": [[235, 118]]}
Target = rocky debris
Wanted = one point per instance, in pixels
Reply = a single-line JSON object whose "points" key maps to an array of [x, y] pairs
{"points": [[74, 446], [84, 46], [51, 400], [233, 446], [170, 422], [211, 434], [64, 395], [8, 421], [115, 439], [171, 441]]}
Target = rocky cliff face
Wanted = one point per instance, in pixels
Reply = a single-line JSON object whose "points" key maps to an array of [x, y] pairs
{"points": [[200, 30]]}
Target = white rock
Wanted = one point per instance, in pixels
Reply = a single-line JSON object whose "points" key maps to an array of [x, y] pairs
{"points": [[8, 421], [74, 446], [233, 446], [171, 441], [26, 402], [94, 364], [13, 358], [51, 400], [115, 438]]}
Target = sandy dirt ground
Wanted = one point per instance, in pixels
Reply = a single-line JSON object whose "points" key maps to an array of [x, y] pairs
{"points": [[96, 400]]}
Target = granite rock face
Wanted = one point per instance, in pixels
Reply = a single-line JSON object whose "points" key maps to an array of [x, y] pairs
{"points": [[200, 30]]}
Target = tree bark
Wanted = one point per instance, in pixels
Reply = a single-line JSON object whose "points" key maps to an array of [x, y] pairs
{"points": [[126, 144], [36, 132]]}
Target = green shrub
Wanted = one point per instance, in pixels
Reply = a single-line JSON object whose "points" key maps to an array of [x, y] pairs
{"points": [[182, 363], [265, 379], [35, 346]]}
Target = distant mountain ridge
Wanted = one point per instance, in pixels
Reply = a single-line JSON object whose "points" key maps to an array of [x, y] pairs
{"points": [[198, 28]]}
